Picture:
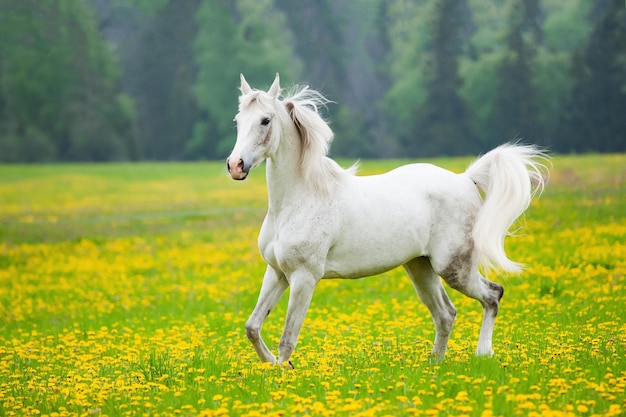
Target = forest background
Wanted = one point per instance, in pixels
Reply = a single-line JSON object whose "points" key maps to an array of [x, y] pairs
{"points": [[99, 80]]}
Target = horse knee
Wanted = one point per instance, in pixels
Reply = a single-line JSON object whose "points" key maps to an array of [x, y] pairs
{"points": [[253, 332], [446, 321]]}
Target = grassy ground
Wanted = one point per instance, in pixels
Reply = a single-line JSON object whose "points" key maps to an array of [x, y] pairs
{"points": [[124, 290]]}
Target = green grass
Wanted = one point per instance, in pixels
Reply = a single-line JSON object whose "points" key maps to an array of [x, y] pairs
{"points": [[124, 290]]}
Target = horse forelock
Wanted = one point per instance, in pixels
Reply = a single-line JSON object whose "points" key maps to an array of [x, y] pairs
{"points": [[246, 99], [256, 96]]}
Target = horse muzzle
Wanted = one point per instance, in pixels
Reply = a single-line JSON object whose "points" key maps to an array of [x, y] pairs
{"points": [[237, 168]]}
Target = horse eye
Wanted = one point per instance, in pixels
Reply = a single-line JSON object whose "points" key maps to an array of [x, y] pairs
{"points": [[265, 121]]}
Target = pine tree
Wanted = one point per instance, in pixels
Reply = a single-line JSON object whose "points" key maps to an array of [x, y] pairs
{"points": [[515, 110], [443, 119], [596, 117], [160, 74], [235, 36], [60, 93]]}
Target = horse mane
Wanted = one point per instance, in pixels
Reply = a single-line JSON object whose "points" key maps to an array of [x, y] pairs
{"points": [[321, 172]]}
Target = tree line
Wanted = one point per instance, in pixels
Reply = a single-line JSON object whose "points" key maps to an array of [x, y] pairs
{"points": [[99, 80]]}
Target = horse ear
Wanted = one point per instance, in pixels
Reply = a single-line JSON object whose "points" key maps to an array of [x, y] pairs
{"points": [[245, 87], [274, 90]]}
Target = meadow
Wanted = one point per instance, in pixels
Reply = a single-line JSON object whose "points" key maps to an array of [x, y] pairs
{"points": [[124, 289]]}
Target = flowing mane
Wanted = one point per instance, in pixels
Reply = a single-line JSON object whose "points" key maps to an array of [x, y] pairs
{"points": [[321, 172]]}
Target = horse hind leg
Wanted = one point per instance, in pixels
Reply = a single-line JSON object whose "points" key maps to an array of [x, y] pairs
{"points": [[490, 311], [461, 273], [430, 290]]}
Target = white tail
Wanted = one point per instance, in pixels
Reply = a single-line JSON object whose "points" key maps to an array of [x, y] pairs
{"points": [[510, 175]]}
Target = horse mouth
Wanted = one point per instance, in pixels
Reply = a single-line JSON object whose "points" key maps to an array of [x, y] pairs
{"points": [[237, 171], [239, 175]]}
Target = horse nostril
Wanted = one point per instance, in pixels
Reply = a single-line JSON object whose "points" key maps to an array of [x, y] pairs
{"points": [[240, 164], [227, 165]]}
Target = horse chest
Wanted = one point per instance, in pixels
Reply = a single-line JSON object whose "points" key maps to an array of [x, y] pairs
{"points": [[288, 242], [267, 240]]}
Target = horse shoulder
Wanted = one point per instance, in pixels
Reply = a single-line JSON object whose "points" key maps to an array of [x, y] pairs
{"points": [[299, 236]]}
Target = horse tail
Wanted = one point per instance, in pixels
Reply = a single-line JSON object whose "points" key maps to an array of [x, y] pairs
{"points": [[509, 176]]}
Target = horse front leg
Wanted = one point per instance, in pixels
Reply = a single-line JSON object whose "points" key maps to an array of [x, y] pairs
{"points": [[302, 286], [273, 287]]}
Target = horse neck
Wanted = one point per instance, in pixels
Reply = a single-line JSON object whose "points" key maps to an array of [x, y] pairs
{"points": [[284, 174]]}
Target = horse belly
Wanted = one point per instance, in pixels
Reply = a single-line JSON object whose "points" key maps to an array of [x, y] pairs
{"points": [[386, 222], [374, 252]]}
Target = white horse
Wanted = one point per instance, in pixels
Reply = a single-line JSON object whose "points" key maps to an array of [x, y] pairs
{"points": [[326, 222]]}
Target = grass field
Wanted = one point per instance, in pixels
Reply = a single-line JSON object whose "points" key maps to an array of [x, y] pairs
{"points": [[124, 290]]}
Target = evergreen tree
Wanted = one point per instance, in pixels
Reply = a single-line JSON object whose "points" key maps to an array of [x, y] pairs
{"points": [[318, 42], [235, 36], [431, 60], [160, 74], [515, 110], [60, 94], [596, 117], [443, 119], [409, 60], [382, 144]]}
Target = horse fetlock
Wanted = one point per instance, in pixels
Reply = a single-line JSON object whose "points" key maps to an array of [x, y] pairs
{"points": [[439, 353], [285, 348], [484, 352]]}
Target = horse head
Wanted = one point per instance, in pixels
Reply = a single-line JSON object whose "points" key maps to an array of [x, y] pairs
{"points": [[257, 128]]}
